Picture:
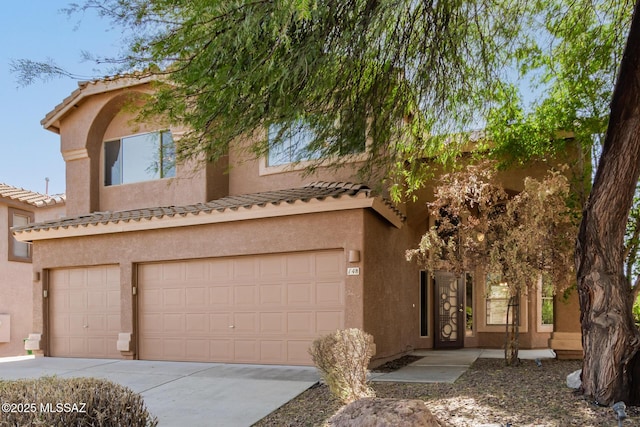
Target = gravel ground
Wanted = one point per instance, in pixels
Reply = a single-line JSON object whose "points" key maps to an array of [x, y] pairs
{"points": [[488, 393]]}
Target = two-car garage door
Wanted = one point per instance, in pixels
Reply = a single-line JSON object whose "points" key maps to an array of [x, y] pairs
{"points": [[248, 309]]}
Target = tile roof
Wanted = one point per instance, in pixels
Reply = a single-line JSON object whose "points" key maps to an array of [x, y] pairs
{"points": [[314, 191], [30, 197]]}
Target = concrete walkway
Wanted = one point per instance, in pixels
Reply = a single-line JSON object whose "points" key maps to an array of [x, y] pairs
{"points": [[221, 395], [446, 366], [183, 393]]}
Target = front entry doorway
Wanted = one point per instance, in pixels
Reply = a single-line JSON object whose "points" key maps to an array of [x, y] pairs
{"points": [[449, 325]]}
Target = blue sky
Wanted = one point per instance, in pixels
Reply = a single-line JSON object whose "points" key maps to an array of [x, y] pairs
{"points": [[35, 29]]}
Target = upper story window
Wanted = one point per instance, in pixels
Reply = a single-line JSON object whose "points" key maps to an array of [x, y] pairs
{"points": [[294, 146], [19, 251], [141, 157], [296, 142]]}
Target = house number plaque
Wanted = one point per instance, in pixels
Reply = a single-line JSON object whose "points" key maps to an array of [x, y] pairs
{"points": [[353, 271]]}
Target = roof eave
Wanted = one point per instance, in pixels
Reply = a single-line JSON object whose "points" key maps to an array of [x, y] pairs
{"points": [[228, 215], [51, 121]]}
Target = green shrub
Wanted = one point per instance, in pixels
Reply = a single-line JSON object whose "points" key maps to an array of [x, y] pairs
{"points": [[343, 360], [636, 311], [65, 402]]}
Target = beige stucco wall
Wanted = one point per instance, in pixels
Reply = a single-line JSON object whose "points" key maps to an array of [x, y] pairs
{"points": [[102, 117], [250, 175], [391, 288], [331, 230], [16, 280]]}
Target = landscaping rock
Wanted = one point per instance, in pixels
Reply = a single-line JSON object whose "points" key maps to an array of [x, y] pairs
{"points": [[377, 412], [573, 379]]}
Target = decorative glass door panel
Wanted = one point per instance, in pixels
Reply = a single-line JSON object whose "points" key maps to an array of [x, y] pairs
{"points": [[449, 310]]}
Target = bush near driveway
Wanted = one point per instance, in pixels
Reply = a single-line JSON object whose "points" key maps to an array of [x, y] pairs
{"points": [[71, 402]]}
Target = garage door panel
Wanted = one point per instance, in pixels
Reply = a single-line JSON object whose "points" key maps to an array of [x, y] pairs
{"points": [[77, 300], [329, 321], [329, 263], [173, 323], [246, 351], [220, 271], [77, 278], [152, 298], [221, 350], [220, 295], [245, 323], [97, 346], [173, 297], [244, 295], [97, 300], [243, 269], [172, 272], [78, 345], [272, 323], [298, 352], [272, 351], [270, 268], [300, 294], [271, 294], [96, 321], [84, 311], [196, 297], [197, 349], [299, 265], [249, 309], [300, 323], [113, 323], [174, 348], [197, 323], [196, 271], [77, 323], [331, 293], [59, 345], [220, 322]]}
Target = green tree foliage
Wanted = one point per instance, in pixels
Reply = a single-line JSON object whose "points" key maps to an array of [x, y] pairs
{"points": [[405, 73]]}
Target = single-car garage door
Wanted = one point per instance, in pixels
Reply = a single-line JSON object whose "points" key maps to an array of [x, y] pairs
{"points": [[84, 312], [249, 309]]}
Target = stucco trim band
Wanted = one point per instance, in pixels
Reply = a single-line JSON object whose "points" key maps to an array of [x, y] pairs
{"points": [[298, 207]]}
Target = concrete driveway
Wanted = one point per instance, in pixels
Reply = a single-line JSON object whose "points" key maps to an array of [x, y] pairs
{"points": [[183, 393]]}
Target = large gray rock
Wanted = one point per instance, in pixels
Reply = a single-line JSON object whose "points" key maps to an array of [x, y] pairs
{"points": [[377, 412], [573, 379]]}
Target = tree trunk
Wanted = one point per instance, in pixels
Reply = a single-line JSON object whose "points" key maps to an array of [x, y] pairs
{"points": [[610, 339], [512, 335]]}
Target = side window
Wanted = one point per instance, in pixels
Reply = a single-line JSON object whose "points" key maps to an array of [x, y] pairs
{"points": [[138, 158], [497, 303], [546, 304], [19, 251]]}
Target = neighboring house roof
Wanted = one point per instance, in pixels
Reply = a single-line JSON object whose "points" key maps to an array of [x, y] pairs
{"points": [[30, 197], [314, 197]]}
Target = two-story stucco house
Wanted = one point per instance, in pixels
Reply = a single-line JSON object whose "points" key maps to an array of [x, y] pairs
{"points": [[240, 261], [19, 207]]}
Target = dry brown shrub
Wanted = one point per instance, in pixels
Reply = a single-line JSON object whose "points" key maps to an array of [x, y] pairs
{"points": [[64, 402], [343, 359]]}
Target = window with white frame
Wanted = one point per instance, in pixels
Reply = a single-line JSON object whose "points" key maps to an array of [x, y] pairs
{"points": [[142, 157], [497, 303], [294, 145], [19, 251], [546, 307]]}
